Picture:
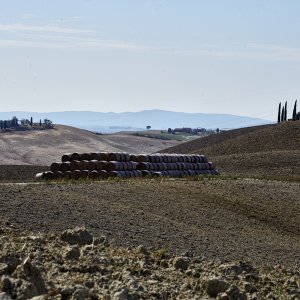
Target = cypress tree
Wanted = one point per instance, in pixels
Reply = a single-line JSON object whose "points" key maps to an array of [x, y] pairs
{"points": [[282, 114], [295, 110], [285, 111], [40, 122], [31, 121], [279, 111]]}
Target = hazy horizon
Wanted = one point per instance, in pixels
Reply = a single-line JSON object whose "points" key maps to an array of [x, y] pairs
{"points": [[233, 57], [124, 112], [157, 119]]}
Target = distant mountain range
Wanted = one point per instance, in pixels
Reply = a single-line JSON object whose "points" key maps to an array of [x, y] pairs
{"points": [[157, 119]]}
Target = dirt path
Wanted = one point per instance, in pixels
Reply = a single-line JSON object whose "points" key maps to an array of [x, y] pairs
{"points": [[252, 220]]}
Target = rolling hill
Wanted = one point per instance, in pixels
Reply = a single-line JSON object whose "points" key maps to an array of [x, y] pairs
{"points": [[259, 150], [46, 146], [157, 119]]}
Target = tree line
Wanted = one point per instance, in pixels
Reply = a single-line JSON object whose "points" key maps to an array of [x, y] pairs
{"points": [[15, 123], [282, 113]]}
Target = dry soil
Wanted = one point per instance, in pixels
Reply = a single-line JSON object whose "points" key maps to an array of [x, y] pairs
{"points": [[251, 220]]}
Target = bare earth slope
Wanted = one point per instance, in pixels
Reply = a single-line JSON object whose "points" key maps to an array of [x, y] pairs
{"points": [[260, 150], [249, 220], [44, 147]]}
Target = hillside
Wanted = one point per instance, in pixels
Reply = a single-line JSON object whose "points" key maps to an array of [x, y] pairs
{"points": [[259, 150], [44, 147]]}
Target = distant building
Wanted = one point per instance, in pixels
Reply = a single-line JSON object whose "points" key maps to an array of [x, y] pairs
{"points": [[188, 130]]}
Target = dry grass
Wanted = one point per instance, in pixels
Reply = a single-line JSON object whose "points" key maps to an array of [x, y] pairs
{"points": [[45, 147]]}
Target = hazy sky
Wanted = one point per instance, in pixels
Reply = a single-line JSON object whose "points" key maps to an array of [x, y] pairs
{"points": [[240, 57]]}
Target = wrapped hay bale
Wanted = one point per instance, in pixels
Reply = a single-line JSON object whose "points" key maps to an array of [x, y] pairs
{"points": [[58, 175], [101, 165], [118, 156], [75, 156], [158, 174], [103, 174], [119, 174], [137, 173], [121, 166], [65, 166], [76, 174], [91, 166], [143, 158], [144, 166], [134, 158], [134, 173], [86, 165], [202, 158], [114, 166], [146, 173], [124, 174], [55, 167], [95, 156], [131, 165], [49, 175], [156, 158], [103, 156], [74, 165], [83, 165], [67, 175], [85, 156], [94, 174], [211, 165], [85, 174], [66, 157]]}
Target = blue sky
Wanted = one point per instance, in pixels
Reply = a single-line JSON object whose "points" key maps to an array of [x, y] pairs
{"points": [[238, 57]]}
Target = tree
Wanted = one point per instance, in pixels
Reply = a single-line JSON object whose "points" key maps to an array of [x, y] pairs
{"points": [[14, 122], [40, 122], [31, 121], [148, 127], [282, 114], [5, 124], [295, 111], [48, 123], [285, 111], [169, 130], [279, 111]]}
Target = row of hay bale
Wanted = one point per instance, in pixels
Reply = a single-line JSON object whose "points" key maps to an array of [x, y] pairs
{"points": [[124, 165], [106, 156], [92, 165], [126, 157]]}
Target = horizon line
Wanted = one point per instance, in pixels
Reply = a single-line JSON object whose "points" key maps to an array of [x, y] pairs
{"points": [[111, 112]]}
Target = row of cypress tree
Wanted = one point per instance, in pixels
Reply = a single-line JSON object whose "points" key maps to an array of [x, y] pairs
{"points": [[15, 122], [282, 112]]}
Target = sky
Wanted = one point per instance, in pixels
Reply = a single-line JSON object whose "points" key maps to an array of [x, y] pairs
{"points": [[236, 57]]}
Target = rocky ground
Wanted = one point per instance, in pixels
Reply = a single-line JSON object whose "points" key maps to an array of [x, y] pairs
{"points": [[222, 219], [76, 265]]}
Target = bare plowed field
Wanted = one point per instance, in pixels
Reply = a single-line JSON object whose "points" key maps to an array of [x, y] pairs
{"points": [[22, 173], [270, 150], [250, 220]]}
